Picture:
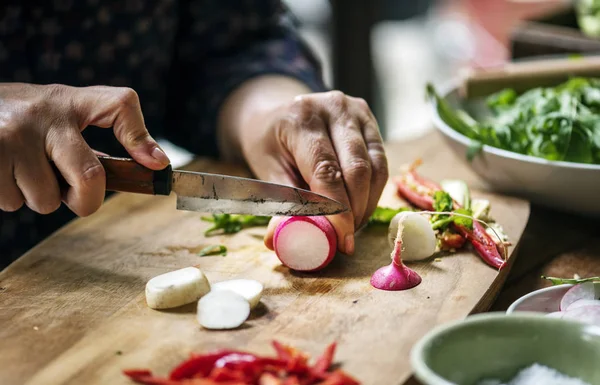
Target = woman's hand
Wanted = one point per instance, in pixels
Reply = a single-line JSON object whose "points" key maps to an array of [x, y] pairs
{"points": [[42, 123], [326, 142]]}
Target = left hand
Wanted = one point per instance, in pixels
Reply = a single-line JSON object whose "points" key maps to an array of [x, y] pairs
{"points": [[328, 143]]}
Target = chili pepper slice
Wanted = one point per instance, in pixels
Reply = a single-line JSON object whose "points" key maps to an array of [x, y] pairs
{"points": [[422, 201], [269, 379], [198, 365], [339, 377], [324, 362]]}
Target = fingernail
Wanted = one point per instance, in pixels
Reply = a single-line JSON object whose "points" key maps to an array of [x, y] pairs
{"points": [[349, 244], [160, 155]]}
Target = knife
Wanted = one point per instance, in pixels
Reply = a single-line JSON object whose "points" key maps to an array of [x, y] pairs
{"points": [[214, 193]]}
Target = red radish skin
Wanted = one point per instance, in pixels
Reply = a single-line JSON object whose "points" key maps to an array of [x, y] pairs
{"points": [[396, 276], [580, 291], [305, 243]]}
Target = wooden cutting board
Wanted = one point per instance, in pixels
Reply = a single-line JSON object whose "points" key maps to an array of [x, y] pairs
{"points": [[72, 310]]}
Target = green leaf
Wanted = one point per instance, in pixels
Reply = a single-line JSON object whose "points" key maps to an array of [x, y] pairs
{"points": [[442, 201], [231, 224], [384, 215], [463, 221], [213, 250], [474, 148], [572, 281]]}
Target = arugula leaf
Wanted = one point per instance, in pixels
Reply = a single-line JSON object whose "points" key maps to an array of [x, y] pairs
{"points": [[231, 224], [384, 215], [442, 201], [462, 221], [213, 250]]}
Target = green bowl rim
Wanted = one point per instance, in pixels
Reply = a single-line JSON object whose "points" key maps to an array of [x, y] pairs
{"points": [[422, 371]]}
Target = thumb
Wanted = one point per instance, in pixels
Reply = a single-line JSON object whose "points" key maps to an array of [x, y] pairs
{"points": [[120, 109]]}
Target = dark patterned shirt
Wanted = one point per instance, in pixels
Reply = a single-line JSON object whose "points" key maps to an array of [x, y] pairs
{"points": [[183, 57]]}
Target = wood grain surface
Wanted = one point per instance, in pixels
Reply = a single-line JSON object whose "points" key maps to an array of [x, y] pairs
{"points": [[72, 310]]}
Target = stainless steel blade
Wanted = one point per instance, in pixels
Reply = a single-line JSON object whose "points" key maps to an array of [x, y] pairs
{"points": [[221, 194]]}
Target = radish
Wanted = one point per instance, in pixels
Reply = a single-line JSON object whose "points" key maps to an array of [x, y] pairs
{"points": [[305, 243], [396, 276], [418, 241], [247, 288], [556, 314], [176, 288], [581, 291], [583, 303], [222, 309], [585, 314]]}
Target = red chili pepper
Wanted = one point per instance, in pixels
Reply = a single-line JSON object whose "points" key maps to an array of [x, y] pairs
{"points": [[145, 377], [418, 199], [269, 379], [324, 362], [198, 365], [339, 378], [484, 244]]}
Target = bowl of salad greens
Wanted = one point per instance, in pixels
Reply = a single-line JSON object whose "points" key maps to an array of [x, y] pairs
{"points": [[542, 144]]}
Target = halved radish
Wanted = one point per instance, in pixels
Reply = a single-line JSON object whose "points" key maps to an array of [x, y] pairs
{"points": [[176, 288], [222, 309], [418, 239], [247, 288], [585, 314], [583, 303], [581, 291], [305, 243]]}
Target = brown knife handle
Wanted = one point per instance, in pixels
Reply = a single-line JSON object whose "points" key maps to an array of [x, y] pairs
{"points": [[126, 175]]}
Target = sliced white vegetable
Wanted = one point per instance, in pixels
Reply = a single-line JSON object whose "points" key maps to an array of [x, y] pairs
{"points": [[556, 314], [247, 288], [583, 303], [457, 189], [176, 288], [481, 209], [494, 231], [418, 238], [585, 314], [222, 309], [580, 291]]}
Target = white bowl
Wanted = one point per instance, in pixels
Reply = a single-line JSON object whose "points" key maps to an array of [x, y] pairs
{"points": [[546, 300], [566, 186]]}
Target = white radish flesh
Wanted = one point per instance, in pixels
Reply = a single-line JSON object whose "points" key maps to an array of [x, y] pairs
{"points": [[305, 243], [583, 303], [457, 189], [556, 314], [585, 314], [250, 289], [581, 291], [418, 238], [176, 288], [222, 309]]}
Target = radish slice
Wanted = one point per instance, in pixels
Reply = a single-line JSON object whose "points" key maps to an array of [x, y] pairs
{"points": [[556, 314], [581, 291], [418, 238], [249, 289], [176, 288], [222, 309], [585, 314], [305, 243], [583, 303]]}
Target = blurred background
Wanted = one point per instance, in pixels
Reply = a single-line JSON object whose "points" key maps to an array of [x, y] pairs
{"points": [[387, 50]]}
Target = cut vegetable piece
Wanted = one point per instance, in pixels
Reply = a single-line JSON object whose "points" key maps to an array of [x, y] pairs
{"points": [[247, 288], [222, 309], [556, 314], [583, 303], [396, 276], [305, 243], [581, 291], [585, 314], [458, 190], [418, 238], [481, 209], [176, 288]]}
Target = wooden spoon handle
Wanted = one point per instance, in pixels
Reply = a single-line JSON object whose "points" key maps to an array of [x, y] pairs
{"points": [[526, 75], [126, 175]]}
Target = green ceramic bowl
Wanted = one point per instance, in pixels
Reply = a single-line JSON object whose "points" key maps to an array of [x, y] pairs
{"points": [[498, 346]]}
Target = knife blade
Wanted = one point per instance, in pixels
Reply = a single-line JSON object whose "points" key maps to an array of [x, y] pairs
{"points": [[215, 193]]}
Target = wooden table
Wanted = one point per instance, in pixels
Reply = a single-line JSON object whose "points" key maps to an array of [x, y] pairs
{"points": [[73, 301]]}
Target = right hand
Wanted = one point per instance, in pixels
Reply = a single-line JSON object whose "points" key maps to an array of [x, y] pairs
{"points": [[39, 123]]}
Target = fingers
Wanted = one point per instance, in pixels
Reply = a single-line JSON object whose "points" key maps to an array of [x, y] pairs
{"points": [[35, 180], [376, 156], [271, 231], [318, 165], [120, 108], [11, 198], [81, 169]]}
